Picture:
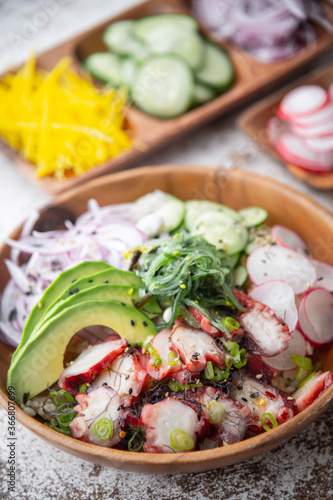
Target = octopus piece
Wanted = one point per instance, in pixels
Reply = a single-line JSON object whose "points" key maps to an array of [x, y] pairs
{"points": [[161, 351], [312, 389], [170, 425], [256, 366], [261, 398], [99, 419], [195, 347], [229, 419], [125, 375], [270, 333], [206, 326], [91, 362]]}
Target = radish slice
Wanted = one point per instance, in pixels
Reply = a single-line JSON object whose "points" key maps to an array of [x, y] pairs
{"points": [[315, 314], [279, 296], [282, 362], [289, 239], [303, 101], [320, 144], [293, 150], [323, 116], [325, 275], [279, 263], [321, 130]]}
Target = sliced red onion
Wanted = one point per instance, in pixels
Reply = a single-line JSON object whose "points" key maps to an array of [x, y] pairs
{"points": [[270, 30]]}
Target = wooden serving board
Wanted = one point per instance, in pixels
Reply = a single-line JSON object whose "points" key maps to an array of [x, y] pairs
{"points": [[254, 123], [252, 78]]}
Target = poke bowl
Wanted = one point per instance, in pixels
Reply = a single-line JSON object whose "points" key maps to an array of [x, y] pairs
{"points": [[235, 189]]}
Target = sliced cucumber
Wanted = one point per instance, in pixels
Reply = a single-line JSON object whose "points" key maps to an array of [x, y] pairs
{"points": [[147, 25], [169, 208], [218, 70], [253, 216], [105, 67], [229, 238], [164, 86], [196, 208], [119, 38], [213, 218], [203, 94], [240, 276], [128, 69]]}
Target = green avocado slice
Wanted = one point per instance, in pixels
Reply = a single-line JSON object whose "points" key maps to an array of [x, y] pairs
{"points": [[51, 294], [122, 293], [110, 276], [40, 362]]}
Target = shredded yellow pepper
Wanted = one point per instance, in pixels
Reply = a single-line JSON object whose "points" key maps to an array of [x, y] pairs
{"points": [[59, 121]]}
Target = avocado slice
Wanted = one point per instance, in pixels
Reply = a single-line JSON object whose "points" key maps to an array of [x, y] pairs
{"points": [[40, 362], [122, 293], [110, 276], [56, 289]]}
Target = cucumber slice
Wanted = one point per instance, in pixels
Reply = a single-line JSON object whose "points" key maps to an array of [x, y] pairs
{"points": [[203, 94], [164, 86], [128, 69], [180, 22], [172, 34], [240, 276], [105, 67], [218, 70], [213, 218], [229, 238], [253, 216], [169, 208], [195, 209], [119, 38]]}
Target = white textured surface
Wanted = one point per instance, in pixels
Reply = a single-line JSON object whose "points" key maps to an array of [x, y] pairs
{"points": [[301, 469]]}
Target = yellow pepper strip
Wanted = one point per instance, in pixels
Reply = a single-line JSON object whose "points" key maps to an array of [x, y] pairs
{"points": [[59, 121]]}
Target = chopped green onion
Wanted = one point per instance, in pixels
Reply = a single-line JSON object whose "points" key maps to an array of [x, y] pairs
{"points": [[156, 361], [136, 441], [209, 371], [65, 419], [271, 419], [181, 441], [307, 379], [173, 359], [103, 428], [176, 386], [216, 412], [304, 364], [230, 323], [146, 342]]}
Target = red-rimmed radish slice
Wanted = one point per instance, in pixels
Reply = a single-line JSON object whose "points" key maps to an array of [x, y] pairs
{"points": [[312, 389], [292, 149], [320, 144], [279, 263], [279, 296], [282, 362], [321, 130], [315, 317], [323, 116], [325, 275], [289, 239], [303, 101], [91, 362]]}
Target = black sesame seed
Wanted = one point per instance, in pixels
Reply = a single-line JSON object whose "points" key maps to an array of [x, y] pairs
{"points": [[217, 397], [122, 303], [13, 314], [72, 291], [282, 323], [132, 322], [120, 407], [90, 281], [145, 323], [127, 377], [73, 281], [239, 387], [136, 346], [254, 395], [244, 399], [104, 383], [105, 282], [320, 279], [130, 390]]}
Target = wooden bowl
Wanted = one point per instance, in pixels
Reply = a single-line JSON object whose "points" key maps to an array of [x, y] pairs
{"points": [[234, 188]]}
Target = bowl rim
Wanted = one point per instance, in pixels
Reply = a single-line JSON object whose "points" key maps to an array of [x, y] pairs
{"points": [[227, 455]]}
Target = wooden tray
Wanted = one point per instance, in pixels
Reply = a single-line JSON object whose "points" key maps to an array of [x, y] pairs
{"points": [[252, 77], [254, 123]]}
